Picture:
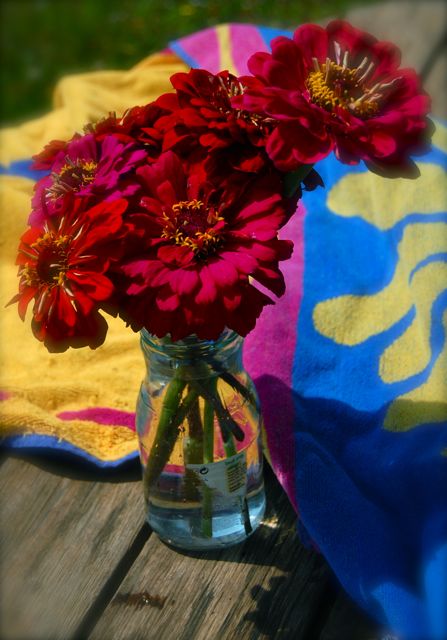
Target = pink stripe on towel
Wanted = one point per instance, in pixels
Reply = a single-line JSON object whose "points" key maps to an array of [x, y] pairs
{"points": [[276, 333], [245, 38], [102, 415], [203, 48]]}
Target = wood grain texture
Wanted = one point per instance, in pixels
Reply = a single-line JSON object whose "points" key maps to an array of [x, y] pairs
{"points": [[347, 622], [269, 587], [414, 26], [60, 539], [436, 84]]}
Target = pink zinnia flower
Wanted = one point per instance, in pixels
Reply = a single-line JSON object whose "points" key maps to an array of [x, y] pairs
{"points": [[203, 247], [85, 166], [338, 89]]}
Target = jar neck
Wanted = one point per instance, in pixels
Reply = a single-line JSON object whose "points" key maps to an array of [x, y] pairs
{"points": [[192, 357]]}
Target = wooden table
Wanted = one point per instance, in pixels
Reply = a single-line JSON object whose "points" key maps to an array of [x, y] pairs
{"points": [[78, 561]]}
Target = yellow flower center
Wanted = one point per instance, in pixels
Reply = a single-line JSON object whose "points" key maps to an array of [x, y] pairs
{"points": [[73, 176], [192, 224], [51, 261], [230, 89], [335, 84]]}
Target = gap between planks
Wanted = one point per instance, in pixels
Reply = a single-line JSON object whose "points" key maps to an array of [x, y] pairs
{"points": [[112, 584]]}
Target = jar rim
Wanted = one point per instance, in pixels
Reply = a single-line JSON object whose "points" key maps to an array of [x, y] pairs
{"points": [[191, 343]]}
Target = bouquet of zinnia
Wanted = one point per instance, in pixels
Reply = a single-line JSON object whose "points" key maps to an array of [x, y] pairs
{"points": [[169, 215]]}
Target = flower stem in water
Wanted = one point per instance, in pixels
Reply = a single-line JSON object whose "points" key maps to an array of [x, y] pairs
{"points": [[172, 415], [193, 450], [208, 457]]}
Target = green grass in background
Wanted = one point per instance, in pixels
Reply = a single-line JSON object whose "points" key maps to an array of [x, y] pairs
{"points": [[42, 40]]}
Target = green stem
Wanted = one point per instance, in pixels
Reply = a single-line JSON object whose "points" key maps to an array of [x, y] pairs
{"points": [[208, 457], [229, 430], [229, 446], [293, 180], [172, 415], [193, 449], [208, 428], [228, 424], [233, 382], [207, 512], [195, 433], [197, 452]]}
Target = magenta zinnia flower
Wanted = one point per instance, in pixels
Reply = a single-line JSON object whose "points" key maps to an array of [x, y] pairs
{"points": [[85, 167], [62, 267], [338, 89], [203, 247]]}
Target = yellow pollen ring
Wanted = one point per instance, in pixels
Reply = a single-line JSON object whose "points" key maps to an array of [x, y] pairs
{"points": [[57, 246], [72, 177], [29, 275], [49, 239], [60, 278], [336, 86], [46, 239], [87, 167], [192, 213], [187, 205]]}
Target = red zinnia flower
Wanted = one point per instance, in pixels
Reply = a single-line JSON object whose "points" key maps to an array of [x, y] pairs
{"points": [[203, 248], [338, 88], [62, 267]]}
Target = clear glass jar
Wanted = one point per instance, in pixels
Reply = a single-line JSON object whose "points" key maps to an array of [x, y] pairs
{"points": [[199, 424]]}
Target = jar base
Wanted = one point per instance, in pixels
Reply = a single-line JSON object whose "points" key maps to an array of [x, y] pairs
{"points": [[183, 527]]}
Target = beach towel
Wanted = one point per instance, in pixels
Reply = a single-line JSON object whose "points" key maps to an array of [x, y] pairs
{"points": [[350, 364]]}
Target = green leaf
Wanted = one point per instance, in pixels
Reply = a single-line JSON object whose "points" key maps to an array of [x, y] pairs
{"points": [[293, 180]]}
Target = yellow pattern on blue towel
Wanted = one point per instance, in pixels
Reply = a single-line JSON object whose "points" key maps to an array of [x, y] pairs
{"points": [[419, 278], [426, 403], [383, 202]]}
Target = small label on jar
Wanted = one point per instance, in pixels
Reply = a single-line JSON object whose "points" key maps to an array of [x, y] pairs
{"points": [[228, 476]]}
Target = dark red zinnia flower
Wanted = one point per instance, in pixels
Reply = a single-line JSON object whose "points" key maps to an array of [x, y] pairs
{"points": [[338, 89], [44, 159], [144, 125], [206, 116], [62, 267], [203, 248]]}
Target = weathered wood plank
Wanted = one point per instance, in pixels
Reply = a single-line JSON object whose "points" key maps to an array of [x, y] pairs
{"points": [[61, 538], [436, 84], [268, 587], [347, 621], [415, 27]]}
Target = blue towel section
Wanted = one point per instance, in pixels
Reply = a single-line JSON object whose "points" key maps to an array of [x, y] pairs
{"points": [[268, 33], [36, 443], [371, 393], [22, 169]]}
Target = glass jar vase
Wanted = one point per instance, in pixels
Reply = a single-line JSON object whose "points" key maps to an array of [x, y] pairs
{"points": [[199, 424]]}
